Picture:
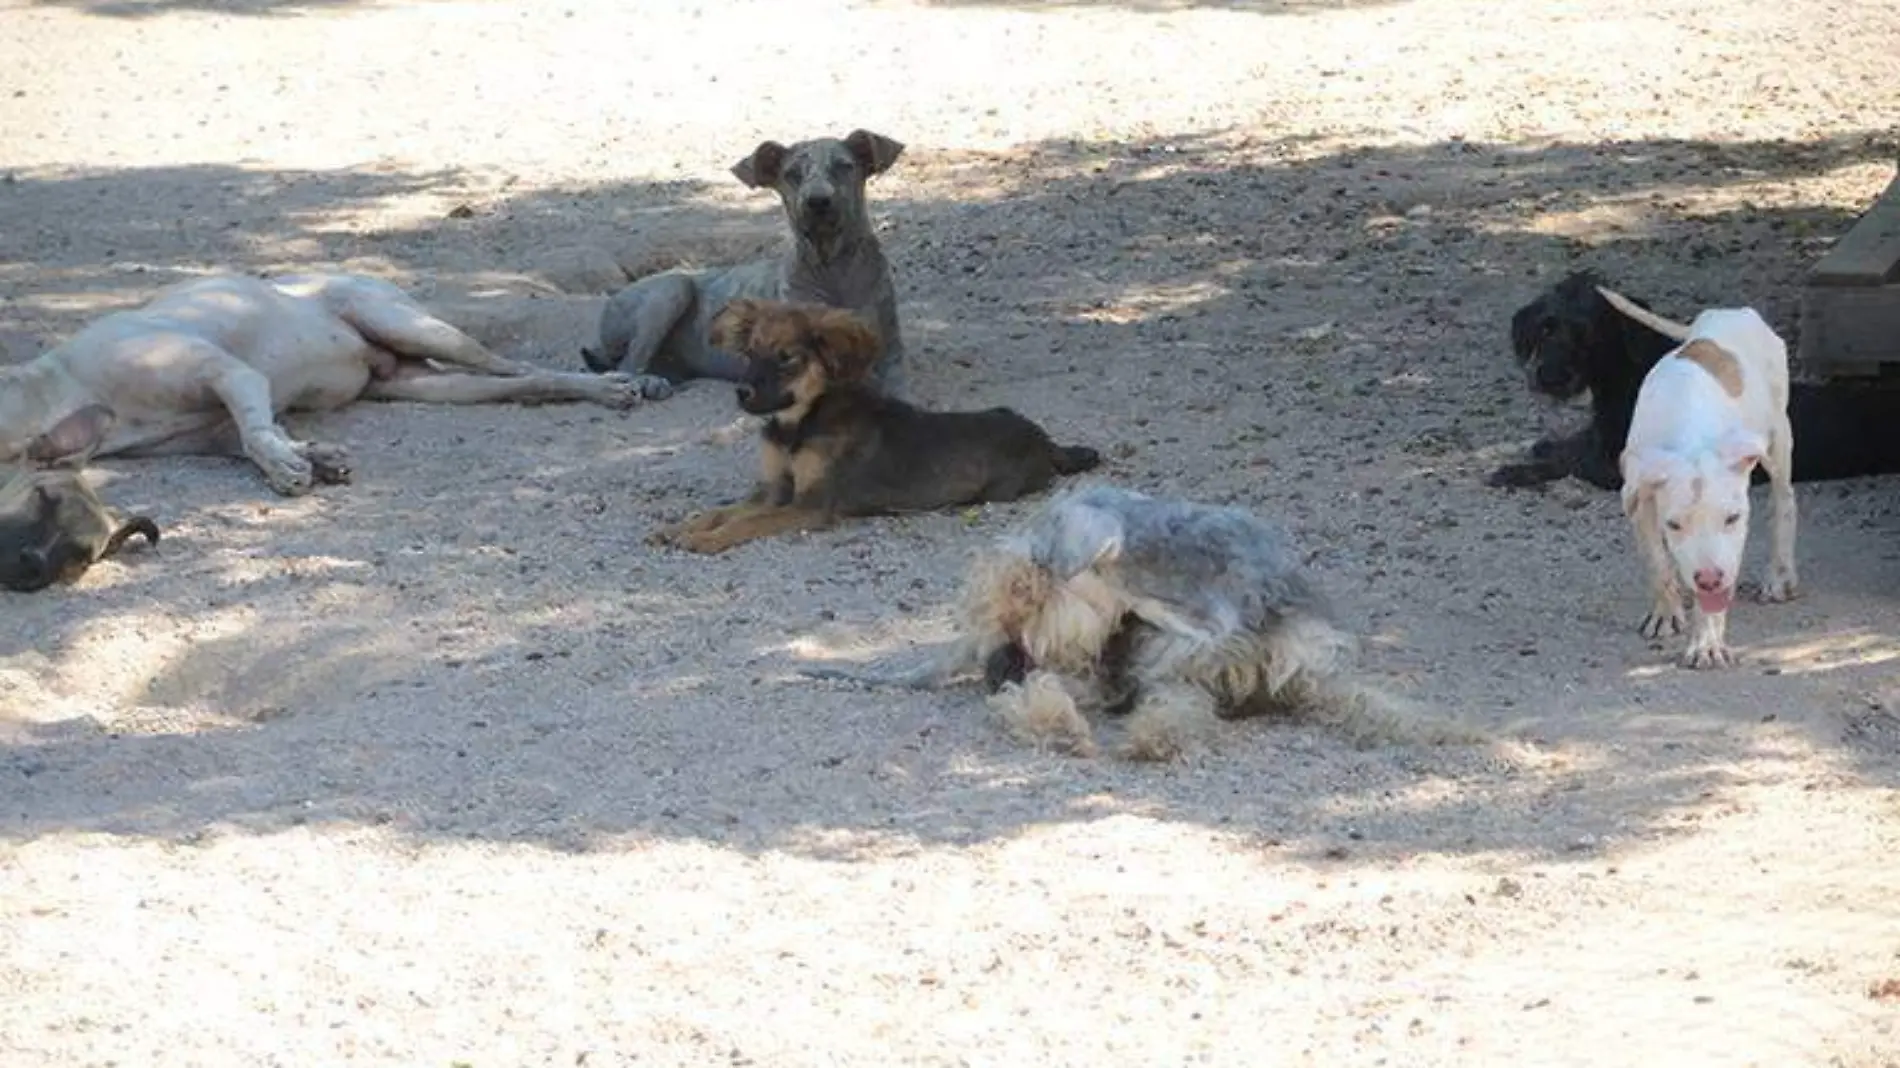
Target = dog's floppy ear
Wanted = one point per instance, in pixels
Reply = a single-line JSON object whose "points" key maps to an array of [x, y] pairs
{"points": [[1087, 538], [846, 344], [761, 168], [74, 437], [1740, 450], [874, 152], [1525, 323], [1646, 469], [729, 328]]}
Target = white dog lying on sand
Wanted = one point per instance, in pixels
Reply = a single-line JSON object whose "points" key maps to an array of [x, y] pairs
{"points": [[208, 365]]}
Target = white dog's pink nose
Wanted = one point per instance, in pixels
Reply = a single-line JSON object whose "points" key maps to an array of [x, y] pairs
{"points": [[1709, 579]]}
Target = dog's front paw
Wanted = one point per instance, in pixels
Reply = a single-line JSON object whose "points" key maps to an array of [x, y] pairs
{"points": [[1519, 476], [674, 534], [284, 469], [1704, 655], [1660, 619], [710, 541], [329, 464]]}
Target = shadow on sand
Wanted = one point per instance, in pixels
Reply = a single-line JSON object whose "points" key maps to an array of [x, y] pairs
{"points": [[580, 718]]}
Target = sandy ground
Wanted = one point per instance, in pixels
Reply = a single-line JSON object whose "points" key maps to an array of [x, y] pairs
{"points": [[447, 768]]}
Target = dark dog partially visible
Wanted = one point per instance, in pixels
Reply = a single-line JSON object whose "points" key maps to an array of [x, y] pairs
{"points": [[1570, 340], [836, 446], [53, 527]]}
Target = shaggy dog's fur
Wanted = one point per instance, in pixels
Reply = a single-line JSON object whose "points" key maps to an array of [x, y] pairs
{"points": [[1570, 340], [1184, 614], [836, 446]]}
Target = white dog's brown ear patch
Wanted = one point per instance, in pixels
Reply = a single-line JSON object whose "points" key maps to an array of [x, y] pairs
{"points": [[1716, 360]]}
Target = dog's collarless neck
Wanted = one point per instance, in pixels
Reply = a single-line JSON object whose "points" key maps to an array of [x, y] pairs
{"points": [[789, 434], [783, 434], [844, 251]]}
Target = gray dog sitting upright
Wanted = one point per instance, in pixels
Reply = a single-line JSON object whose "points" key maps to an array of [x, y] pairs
{"points": [[661, 322]]}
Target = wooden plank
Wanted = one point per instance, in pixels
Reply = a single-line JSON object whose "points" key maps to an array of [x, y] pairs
{"points": [[1868, 254], [1849, 330]]}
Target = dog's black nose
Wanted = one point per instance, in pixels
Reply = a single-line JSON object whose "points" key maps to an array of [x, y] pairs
{"points": [[818, 202], [29, 572]]}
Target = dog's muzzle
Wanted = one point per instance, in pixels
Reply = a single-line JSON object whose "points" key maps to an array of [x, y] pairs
{"points": [[1007, 663], [30, 572], [1555, 381]]}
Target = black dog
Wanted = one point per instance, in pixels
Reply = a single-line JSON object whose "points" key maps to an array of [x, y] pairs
{"points": [[1571, 339]]}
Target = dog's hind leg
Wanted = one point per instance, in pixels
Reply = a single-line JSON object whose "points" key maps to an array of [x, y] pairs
{"points": [[405, 329], [1169, 720], [1782, 581], [634, 327], [532, 388]]}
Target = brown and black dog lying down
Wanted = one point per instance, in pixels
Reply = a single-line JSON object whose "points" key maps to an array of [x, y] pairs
{"points": [[53, 527], [835, 446]]}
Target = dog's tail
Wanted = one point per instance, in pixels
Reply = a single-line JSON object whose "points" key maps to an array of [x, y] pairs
{"points": [[1668, 328], [943, 663], [1074, 459], [615, 336], [598, 360], [1368, 716], [1311, 663]]}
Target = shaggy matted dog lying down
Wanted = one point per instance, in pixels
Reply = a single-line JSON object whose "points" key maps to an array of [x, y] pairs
{"points": [[1571, 339], [208, 365], [1178, 615], [835, 446], [53, 527]]}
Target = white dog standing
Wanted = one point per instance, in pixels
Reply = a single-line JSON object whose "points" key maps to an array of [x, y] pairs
{"points": [[1707, 413], [208, 365]]}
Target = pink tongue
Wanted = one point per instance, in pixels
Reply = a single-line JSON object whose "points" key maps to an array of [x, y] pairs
{"points": [[1713, 602]]}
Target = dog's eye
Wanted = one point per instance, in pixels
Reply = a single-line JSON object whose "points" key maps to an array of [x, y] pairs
{"points": [[1674, 525], [1733, 518], [788, 359], [794, 175]]}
